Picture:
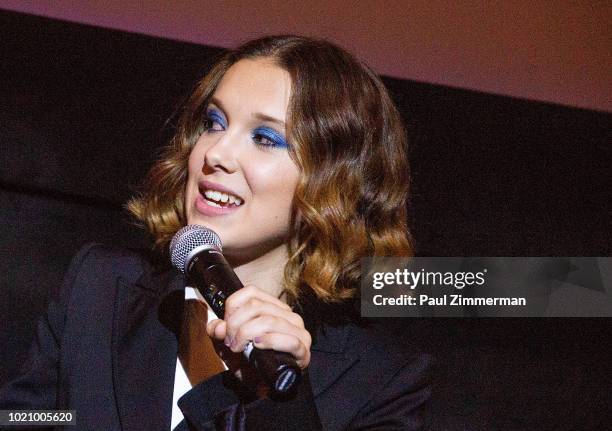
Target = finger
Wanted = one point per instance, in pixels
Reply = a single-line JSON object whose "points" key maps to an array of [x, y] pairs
{"points": [[240, 297], [217, 329], [256, 308], [210, 327], [285, 343], [266, 324]]}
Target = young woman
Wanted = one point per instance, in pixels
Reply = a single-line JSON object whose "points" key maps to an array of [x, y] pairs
{"points": [[293, 153]]}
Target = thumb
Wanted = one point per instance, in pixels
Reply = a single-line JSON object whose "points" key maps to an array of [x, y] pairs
{"points": [[216, 329]]}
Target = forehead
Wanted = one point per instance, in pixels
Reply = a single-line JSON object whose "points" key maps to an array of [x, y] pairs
{"points": [[255, 86]]}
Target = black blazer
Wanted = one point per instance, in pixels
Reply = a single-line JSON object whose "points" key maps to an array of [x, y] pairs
{"points": [[107, 348]]}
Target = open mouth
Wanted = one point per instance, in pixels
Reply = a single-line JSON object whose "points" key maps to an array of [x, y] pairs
{"points": [[218, 199]]}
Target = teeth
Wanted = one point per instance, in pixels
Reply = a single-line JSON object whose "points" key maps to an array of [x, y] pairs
{"points": [[214, 195]]}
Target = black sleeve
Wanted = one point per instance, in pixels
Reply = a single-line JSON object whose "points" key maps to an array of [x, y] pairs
{"points": [[222, 403], [37, 386]]}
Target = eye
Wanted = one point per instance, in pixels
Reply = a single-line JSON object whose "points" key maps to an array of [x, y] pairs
{"points": [[214, 122], [268, 138]]}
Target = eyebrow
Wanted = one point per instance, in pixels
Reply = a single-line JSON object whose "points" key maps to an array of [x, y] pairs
{"points": [[257, 115]]}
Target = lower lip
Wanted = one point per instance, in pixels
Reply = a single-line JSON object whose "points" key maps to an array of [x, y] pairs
{"points": [[208, 210]]}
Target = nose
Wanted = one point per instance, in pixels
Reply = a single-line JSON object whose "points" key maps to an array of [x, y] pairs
{"points": [[223, 154]]}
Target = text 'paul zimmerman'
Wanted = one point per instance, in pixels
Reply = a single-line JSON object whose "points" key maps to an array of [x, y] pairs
{"points": [[414, 279]]}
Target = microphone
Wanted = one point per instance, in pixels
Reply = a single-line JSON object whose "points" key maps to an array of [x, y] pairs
{"points": [[196, 251]]}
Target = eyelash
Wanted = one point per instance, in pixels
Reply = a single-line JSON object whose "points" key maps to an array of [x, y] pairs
{"points": [[211, 119], [274, 139], [270, 137]]}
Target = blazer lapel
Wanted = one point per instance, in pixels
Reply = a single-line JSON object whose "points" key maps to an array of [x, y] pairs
{"points": [[331, 357], [146, 326]]}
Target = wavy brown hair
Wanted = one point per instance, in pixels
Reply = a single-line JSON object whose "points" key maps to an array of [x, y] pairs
{"points": [[348, 141]]}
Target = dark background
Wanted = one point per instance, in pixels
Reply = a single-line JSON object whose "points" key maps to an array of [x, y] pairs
{"points": [[82, 116]]}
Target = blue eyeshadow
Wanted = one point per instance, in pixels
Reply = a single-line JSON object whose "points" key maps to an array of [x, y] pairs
{"points": [[272, 135], [217, 117]]}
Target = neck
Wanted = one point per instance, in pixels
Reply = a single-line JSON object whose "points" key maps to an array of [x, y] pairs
{"points": [[265, 271]]}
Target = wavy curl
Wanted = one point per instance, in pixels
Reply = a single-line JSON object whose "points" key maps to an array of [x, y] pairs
{"points": [[348, 141]]}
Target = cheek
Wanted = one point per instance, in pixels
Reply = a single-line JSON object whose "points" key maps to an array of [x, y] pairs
{"points": [[275, 186], [196, 160], [194, 168]]}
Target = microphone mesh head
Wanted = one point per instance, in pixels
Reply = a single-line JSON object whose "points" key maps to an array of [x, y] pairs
{"points": [[187, 239]]}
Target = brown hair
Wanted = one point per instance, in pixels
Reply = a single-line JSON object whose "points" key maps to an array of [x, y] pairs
{"points": [[348, 141]]}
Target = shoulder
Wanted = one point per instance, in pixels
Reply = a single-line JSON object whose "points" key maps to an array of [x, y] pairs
{"points": [[99, 260], [386, 343], [103, 278], [97, 270], [382, 344], [371, 342]]}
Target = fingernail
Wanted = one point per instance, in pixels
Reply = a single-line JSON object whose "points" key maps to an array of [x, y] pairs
{"points": [[227, 341], [257, 339], [232, 343]]}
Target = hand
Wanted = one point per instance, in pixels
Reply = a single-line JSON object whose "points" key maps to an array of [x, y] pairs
{"points": [[254, 315]]}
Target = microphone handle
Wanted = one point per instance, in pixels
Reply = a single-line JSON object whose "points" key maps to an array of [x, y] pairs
{"points": [[209, 272]]}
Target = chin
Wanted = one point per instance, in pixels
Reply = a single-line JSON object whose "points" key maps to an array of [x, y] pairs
{"points": [[226, 238]]}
